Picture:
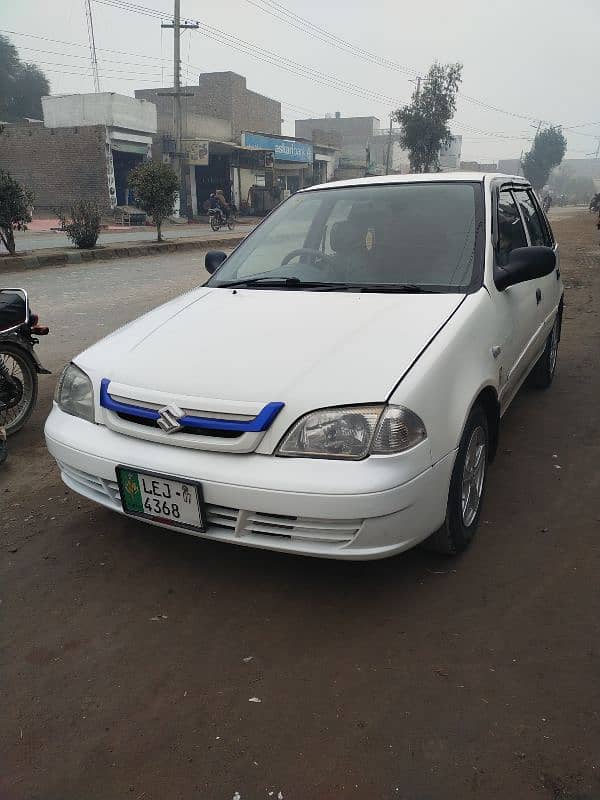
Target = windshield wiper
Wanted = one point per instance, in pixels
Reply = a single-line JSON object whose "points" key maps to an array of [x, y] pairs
{"points": [[293, 282], [400, 288], [282, 282]]}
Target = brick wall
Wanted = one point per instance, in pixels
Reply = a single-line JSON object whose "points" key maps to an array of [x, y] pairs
{"points": [[223, 95], [61, 165]]}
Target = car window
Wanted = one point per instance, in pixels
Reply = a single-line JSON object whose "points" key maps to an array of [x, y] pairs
{"points": [[403, 233], [267, 252], [535, 225], [511, 233]]}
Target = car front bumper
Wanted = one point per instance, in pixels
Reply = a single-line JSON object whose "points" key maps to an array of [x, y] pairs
{"points": [[332, 509]]}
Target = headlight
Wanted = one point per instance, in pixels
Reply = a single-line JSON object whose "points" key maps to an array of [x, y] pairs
{"points": [[353, 433], [74, 394]]}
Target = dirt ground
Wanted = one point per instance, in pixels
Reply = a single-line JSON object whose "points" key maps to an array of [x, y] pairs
{"points": [[128, 655]]}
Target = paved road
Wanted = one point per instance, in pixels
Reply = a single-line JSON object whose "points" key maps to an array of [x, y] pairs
{"points": [[39, 241], [416, 678]]}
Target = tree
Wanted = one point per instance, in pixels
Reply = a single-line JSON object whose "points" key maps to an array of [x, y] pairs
{"points": [[549, 148], [425, 119], [15, 209], [155, 186], [21, 85]]}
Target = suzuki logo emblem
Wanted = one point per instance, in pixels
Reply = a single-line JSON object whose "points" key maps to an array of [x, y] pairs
{"points": [[168, 419]]}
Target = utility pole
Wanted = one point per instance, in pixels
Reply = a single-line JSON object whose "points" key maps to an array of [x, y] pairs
{"points": [[177, 94], [92, 43], [389, 148], [418, 86]]}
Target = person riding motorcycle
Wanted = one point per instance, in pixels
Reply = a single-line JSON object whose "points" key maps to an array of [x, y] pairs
{"points": [[217, 201]]}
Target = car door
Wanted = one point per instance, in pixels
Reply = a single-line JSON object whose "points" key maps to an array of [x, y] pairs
{"points": [[548, 288], [516, 306]]}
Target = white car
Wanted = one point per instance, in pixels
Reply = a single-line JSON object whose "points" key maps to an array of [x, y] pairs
{"points": [[335, 388]]}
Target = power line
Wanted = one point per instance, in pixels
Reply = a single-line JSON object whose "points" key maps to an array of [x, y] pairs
{"points": [[108, 77], [78, 44], [287, 64], [283, 14], [135, 75], [75, 55]]}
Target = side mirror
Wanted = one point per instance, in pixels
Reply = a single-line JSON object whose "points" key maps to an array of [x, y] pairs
{"points": [[213, 260], [14, 309], [525, 264]]}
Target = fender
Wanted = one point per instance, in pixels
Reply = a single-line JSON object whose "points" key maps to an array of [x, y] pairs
{"points": [[16, 338]]}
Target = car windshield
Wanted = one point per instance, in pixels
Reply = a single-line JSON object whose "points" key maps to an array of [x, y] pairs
{"points": [[404, 236]]}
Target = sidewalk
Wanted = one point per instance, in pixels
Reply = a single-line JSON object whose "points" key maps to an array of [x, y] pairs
{"points": [[125, 243]]}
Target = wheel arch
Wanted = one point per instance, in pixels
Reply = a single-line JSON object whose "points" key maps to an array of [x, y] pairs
{"points": [[488, 400]]}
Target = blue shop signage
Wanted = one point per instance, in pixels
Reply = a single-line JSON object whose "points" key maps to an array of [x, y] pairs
{"points": [[284, 149]]}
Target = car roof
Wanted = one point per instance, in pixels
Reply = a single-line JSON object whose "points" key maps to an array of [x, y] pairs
{"points": [[427, 177]]}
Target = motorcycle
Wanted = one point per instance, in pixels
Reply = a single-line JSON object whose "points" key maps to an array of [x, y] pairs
{"points": [[19, 364], [218, 221]]}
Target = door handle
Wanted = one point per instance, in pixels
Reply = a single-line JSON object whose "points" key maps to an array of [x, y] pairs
{"points": [[538, 296]]}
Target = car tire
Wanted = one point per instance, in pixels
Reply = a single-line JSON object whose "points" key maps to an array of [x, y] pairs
{"points": [[467, 487], [542, 374]]}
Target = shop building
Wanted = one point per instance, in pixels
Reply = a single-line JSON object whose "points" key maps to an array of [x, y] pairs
{"points": [[82, 150]]}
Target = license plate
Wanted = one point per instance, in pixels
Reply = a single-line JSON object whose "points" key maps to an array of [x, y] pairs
{"points": [[161, 498]]}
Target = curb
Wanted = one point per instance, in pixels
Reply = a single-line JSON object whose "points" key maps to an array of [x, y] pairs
{"points": [[65, 258]]}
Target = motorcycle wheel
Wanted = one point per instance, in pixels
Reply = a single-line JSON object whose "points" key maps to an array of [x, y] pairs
{"points": [[231, 223], [214, 223], [21, 368]]}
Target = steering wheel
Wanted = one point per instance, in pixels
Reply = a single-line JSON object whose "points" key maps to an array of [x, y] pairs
{"points": [[307, 251]]}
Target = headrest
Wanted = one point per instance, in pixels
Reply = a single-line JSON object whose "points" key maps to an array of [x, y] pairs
{"points": [[346, 236]]}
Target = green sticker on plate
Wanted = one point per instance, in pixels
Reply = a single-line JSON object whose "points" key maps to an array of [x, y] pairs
{"points": [[130, 485]]}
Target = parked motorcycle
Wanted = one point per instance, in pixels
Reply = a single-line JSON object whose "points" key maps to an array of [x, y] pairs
{"points": [[19, 364], [218, 221]]}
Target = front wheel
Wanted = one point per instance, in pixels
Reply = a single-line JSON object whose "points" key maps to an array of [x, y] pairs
{"points": [[467, 486], [214, 223], [18, 386]]}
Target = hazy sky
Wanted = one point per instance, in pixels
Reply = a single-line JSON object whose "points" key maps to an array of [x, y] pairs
{"points": [[537, 58]]}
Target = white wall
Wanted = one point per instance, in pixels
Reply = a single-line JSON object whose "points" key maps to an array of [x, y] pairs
{"points": [[105, 108]]}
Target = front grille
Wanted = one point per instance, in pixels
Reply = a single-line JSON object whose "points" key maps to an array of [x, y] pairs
{"points": [[244, 523], [152, 423], [104, 491], [252, 526]]}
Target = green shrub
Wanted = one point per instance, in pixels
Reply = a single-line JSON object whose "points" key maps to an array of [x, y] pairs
{"points": [[82, 224]]}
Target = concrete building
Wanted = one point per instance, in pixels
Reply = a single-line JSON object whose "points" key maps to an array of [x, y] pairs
{"points": [[510, 166], [83, 150], [215, 115], [221, 96], [450, 155], [356, 134], [364, 145], [477, 166]]}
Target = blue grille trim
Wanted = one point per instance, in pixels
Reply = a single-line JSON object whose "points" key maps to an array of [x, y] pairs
{"points": [[260, 423]]}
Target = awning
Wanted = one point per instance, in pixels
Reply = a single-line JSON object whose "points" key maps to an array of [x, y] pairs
{"points": [[130, 147]]}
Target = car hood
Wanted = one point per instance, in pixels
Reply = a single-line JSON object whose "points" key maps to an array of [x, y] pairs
{"points": [[307, 349]]}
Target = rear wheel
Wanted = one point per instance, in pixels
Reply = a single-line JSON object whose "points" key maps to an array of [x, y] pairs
{"points": [[467, 486], [542, 374], [231, 223], [18, 387]]}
